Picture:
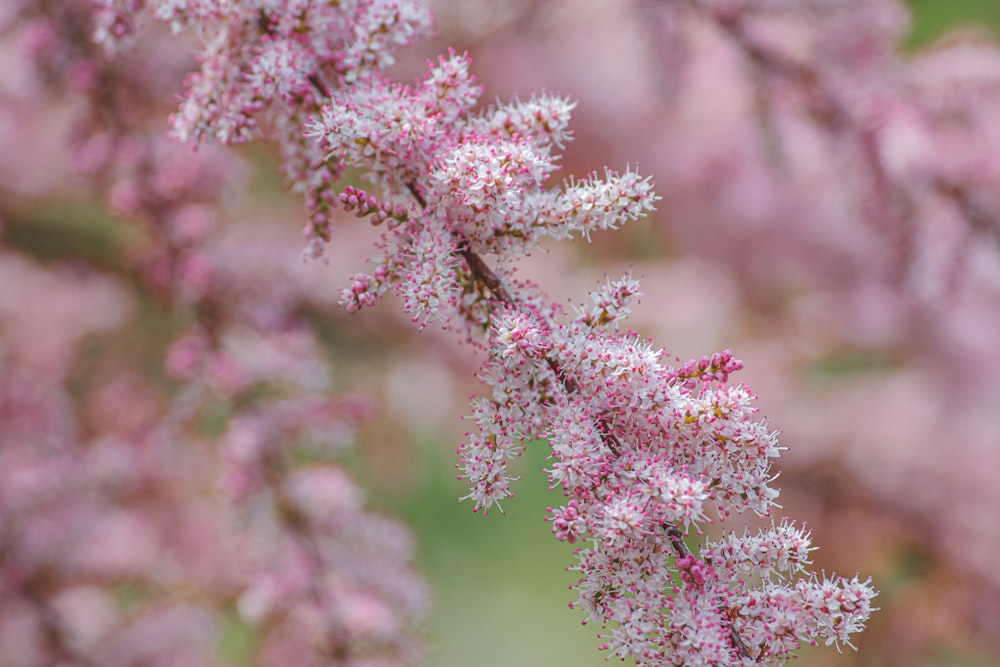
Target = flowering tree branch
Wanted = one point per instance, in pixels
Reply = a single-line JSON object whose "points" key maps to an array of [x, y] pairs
{"points": [[646, 453], [639, 448]]}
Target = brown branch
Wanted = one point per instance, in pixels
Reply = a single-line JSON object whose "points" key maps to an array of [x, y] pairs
{"points": [[963, 199], [57, 637], [681, 551], [320, 83], [486, 277], [301, 528], [484, 274], [317, 78]]}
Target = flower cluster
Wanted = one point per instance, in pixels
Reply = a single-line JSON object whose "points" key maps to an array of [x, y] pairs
{"points": [[832, 179], [642, 451]]}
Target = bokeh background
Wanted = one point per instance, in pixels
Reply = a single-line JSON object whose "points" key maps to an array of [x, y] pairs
{"points": [[500, 589]]}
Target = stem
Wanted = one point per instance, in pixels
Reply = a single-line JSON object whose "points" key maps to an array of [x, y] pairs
{"points": [[484, 274], [300, 527], [681, 550]]}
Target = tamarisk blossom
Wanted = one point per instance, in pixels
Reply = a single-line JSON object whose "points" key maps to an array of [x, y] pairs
{"points": [[834, 186], [644, 452]]}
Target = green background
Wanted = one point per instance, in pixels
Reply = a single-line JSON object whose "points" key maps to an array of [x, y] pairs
{"points": [[934, 17]]}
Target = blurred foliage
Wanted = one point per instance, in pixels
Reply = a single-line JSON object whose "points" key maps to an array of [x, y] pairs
{"points": [[499, 581], [73, 228], [933, 18]]}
